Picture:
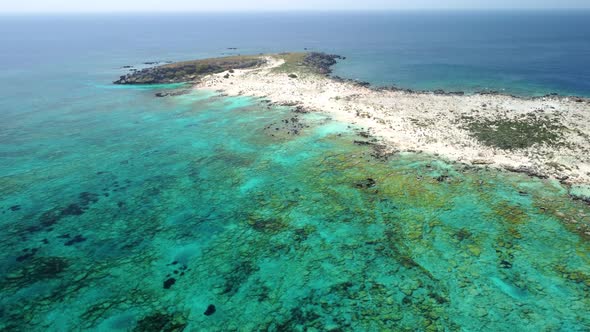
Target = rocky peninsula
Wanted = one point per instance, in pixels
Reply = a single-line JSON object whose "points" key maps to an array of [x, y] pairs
{"points": [[189, 71], [547, 137]]}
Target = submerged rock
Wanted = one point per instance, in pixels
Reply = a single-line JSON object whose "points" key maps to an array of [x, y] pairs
{"points": [[210, 310], [365, 184], [172, 93], [169, 282], [450, 93], [77, 239], [505, 264], [363, 143]]}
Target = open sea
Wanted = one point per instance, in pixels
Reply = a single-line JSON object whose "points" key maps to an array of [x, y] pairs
{"points": [[121, 211]]}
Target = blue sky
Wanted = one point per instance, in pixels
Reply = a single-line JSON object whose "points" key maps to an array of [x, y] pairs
{"points": [[272, 5]]}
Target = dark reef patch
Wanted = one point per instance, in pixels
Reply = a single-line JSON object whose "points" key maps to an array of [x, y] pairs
{"points": [[87, 198], [210, 310], [366, 183], [77, 239], [37, 269], [237, 276], [268, 226], [290, 126], [169, 282], [177, 270], [505, 264], [299, 317], [53, 216], [160, 322], [462, 234], [72, 210], [27, 254]]}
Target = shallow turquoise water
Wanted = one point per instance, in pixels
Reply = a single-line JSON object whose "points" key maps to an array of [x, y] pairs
{"points": [[121, 211], [137, 213]]}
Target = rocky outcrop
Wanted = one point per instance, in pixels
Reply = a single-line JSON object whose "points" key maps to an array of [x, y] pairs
{"points": [[189, 71], [448, 93], [530, 171], [172, 93], [321, 63], [351, 81]]}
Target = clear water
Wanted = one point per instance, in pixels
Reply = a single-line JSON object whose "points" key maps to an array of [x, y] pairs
{"points": [[121, 211]]}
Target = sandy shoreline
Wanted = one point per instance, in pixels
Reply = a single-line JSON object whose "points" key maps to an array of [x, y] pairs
{"points": [[429, 122]]}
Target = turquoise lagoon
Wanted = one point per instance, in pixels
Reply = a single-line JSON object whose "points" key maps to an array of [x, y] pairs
{"points": [[143, 214]]}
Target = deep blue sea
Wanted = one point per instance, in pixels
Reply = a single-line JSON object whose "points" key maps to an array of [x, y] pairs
{"points": [[120, 211], [517, 52]]}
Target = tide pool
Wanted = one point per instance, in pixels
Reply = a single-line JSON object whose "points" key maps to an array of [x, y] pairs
{"points": [[207, 213]]}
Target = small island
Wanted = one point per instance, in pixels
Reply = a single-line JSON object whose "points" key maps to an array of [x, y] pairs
{"points": [[547, 137], [192, 71]]}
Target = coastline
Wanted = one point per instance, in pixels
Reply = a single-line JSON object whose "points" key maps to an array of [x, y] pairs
{"points": [[435, 123], [546, 137]]}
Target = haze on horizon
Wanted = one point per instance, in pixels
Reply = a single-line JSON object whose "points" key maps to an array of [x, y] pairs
{"points": [[65, 6]]}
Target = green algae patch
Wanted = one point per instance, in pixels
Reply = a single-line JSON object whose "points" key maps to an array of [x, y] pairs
{"points": [[517, 133], [575, 276], [294, 63], [306, 63], [270, 226], [511, 213]]}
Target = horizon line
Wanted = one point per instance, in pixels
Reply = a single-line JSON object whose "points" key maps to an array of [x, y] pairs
{"points": [[248, 11]]}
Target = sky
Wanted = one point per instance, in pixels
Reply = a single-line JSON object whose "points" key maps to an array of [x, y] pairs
{"points": [[43, 6]]}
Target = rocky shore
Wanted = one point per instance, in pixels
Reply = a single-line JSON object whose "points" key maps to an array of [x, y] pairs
{"points": [[321, 63], [541, 136], [189, 71], [546, 137]]}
